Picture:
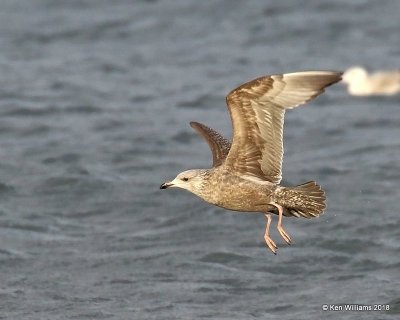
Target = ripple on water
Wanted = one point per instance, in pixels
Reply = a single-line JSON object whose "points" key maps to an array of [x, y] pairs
{"points": [[205, 101], [225, 258], [6, 189]]}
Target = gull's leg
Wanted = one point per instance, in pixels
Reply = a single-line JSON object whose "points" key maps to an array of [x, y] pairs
{"points": [[282, 231], [270, 243]]}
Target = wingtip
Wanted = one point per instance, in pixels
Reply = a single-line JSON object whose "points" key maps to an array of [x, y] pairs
{"points": [[197, 125]]}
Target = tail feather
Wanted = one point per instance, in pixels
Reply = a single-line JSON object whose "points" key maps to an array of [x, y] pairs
{"points": [[306, 200]]}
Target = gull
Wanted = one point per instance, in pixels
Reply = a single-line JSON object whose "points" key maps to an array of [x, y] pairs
{"points": [[360, 83], [246, 174]]}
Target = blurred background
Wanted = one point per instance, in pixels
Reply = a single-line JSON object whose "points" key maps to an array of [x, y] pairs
{"points": [[95, 100]]}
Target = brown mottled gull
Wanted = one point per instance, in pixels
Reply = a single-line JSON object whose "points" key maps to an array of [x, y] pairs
{"points": [[245, 175], [360, 83]]}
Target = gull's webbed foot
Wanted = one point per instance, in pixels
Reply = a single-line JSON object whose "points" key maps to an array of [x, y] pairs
{"points": [[284, 234]]}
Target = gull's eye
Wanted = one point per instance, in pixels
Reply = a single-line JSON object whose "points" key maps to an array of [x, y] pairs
{"points": [[185, 179]]}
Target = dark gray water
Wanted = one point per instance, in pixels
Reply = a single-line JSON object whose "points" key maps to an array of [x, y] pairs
{"points": [[95, 100]]}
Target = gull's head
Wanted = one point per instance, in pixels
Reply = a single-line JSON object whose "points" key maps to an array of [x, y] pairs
{"points": [[354, 75], [191, 180]]}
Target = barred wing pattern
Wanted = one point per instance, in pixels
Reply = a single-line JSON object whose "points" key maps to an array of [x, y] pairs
{"points": [[218, 144], [257, 111]]}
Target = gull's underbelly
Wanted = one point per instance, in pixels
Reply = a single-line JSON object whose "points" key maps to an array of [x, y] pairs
{"points": [[242, 196]]}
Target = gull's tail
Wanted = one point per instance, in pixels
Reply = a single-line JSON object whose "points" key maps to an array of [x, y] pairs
{"points": [[306, 200]]}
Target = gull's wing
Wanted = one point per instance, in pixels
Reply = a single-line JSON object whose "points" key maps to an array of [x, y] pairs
{"points": [[257, 110], [218, 144]]}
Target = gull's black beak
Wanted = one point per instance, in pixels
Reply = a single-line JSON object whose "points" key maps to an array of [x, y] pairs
{"points": [[165, 185]]}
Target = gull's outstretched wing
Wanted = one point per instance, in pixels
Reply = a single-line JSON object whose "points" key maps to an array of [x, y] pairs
{"points": [[218, 144], [257, 110]]}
